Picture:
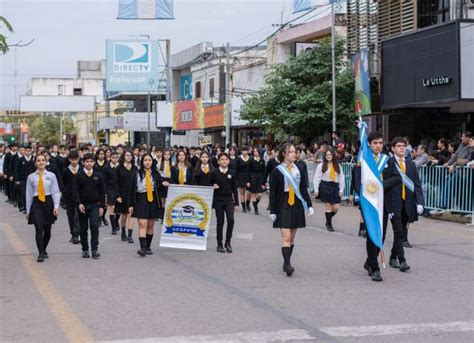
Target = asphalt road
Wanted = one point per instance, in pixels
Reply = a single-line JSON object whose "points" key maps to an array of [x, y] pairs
{"points": [[190, 296]]}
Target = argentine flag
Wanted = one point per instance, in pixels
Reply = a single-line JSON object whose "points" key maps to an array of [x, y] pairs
{"points": [[145, 9], [371, 188]]}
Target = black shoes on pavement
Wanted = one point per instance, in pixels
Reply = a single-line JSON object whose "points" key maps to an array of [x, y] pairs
{"points": [[85, 254]]}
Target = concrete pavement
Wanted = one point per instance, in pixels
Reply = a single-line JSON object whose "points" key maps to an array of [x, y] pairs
{"points": [[188, 296]]}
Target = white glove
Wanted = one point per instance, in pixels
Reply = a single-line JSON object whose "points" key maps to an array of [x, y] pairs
{"points": [[272, 217], [419, 209], [391, 215], [310, 211]]}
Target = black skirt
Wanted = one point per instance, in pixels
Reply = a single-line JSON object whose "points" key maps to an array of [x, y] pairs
{"points": [[41, 213], [111, 198], [329, 192], [144, 209], [242, 180], [163, 191], [256, 182], [122, 207], [290, 217]]}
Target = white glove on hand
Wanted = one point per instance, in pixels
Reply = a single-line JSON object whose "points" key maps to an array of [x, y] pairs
{"points": [[272, 217], [391, 215], [310, 211], [419, 209]]}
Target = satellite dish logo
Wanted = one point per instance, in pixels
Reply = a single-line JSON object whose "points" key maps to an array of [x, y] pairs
{"points": [[132, 57]]}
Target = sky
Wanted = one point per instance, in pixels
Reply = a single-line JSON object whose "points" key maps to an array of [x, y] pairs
{"points": [[65, 31]]}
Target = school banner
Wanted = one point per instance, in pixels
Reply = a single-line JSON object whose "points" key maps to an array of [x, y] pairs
{"points": [[187, 217]]}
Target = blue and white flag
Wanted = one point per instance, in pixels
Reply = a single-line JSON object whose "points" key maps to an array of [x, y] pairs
{"points": [[371, 188], [145, 9]]}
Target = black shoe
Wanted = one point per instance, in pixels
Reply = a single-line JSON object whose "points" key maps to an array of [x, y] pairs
{"points": [[70, 241], [228, 248], [40, 258], [329, 228], [367, 267], [394, 263], [362, 233], [45, 254], [376, 276], [407, 244], [95, 254], [244, 209], [404, 266], [75, 240], [130, 240], [106, 223], [114, 232], [220, 248], [148, 251], [100, 223], [284, 267], [85, 254], [141, 252], [124, 237], [256, 212], [248, 208], [289, 270], [24, 212]]}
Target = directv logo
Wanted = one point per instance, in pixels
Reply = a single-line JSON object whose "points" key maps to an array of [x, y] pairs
{"points": [[132, 57]]}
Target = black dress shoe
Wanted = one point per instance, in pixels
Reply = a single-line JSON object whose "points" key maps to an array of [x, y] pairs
{"points": [[114, 232], [106, 223], [124, 237], [70, 241], [248, 208], [407, 244], [376, 276], [256, 212], [228, 248], [148, 251], [75, 240], [45, 254], [220, 248], [141, 252], [404, 266], [85, 254], [329, 228], [130, 240], [95, 254], [394, 263], [244, 209], [367, 267], [289, 270], [40, 258]]}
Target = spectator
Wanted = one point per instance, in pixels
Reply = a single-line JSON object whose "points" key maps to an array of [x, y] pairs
{"points": [[462, 154], [409, 150], [471, 158], [421, 158], [348, 158], [441, 155], [336, 140]]}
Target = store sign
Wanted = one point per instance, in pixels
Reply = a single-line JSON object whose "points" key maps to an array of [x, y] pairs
{"points": [[188, 115], [214, 116], [436, 81]]}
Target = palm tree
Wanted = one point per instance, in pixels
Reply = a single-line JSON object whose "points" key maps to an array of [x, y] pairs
{"points": [[3, 39]]}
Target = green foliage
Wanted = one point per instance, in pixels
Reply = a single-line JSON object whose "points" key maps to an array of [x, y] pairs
{"points": [[46, 129], [3, 40], [297, 96]]}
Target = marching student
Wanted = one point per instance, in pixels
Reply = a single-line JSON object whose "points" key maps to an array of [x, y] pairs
{"points": [[42, 204], [112, 190], [242, 174], [225, 201], [126, 173], [182, 171], [16, 160], [8, 168], [24, 167], [69, 174], [289, 200], [232, 158], [408, 202], [202, 172], [100, 166], [145, 202], [165, 172], [2, 159], [271, 164], [89, 195], [256, 182], [329, 185]]}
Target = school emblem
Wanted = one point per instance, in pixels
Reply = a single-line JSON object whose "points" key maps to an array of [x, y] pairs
{"points": [[187, 215]]}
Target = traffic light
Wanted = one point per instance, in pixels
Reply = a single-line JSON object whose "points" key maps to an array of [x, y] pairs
{"points": [[11, 139]]}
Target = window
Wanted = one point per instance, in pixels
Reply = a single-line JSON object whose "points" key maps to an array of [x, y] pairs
{"points": [[432, 12], [77, 91], [197, 90], [211, 88]]}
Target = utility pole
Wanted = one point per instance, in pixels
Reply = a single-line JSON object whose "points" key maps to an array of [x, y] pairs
{"points": [[333, 56], [228, 98], [148, 133]]}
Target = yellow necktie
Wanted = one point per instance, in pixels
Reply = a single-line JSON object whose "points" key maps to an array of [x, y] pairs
{"points": [[402, 167], [205, 169], [167, 169], [291, 191], [181, 175], [89, 173], [149, 188], [74, 171], [332, 172], [41, 193]]}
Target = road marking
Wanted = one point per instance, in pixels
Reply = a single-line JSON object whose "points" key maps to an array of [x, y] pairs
{"points": [[326, 231], [72, 327], [258, 337], [400, 329], [245, 236]]}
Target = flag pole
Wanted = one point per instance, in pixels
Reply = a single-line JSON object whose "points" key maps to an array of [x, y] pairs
{"points": [[333, 59]]}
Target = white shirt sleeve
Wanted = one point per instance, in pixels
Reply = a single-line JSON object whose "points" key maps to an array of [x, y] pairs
{"points": [[318, 175], [55, 192], [341, 180], [30, 191]]}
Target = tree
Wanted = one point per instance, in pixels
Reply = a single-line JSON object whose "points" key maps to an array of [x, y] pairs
{"points": [[3, 40], [297, 96], [46, 129]]}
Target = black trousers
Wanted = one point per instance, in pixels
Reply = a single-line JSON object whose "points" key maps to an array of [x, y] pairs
{"points": [[87, 220], [372, 250], [226, 208], [405, 222], [13, 194], [397, 247], [7, 189], [21, 193], [43, 235], [73, 219]]}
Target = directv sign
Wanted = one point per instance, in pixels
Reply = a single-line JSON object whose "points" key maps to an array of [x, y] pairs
{"points": [[132, 66]]}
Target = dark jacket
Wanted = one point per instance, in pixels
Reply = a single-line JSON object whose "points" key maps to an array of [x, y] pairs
{"points": [[188, 178], [89, 190], [23, 168], [68, 183], [125, 179], [201, 179], [158, 184], [271, 164]]}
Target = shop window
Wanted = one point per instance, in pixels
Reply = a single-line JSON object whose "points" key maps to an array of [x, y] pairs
{"points": [[77, 91], [197, 90], [211, 88]]}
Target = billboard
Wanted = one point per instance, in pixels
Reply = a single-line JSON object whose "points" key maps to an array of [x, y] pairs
{"points": [[54, 103], [186, 87], [188, 115], [214, 116], [132, 66], [138, 121], [360, 67]]}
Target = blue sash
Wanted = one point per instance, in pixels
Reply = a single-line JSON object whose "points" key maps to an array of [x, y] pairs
{"points": [[382, 162], [406, 180], [291, 180]]}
